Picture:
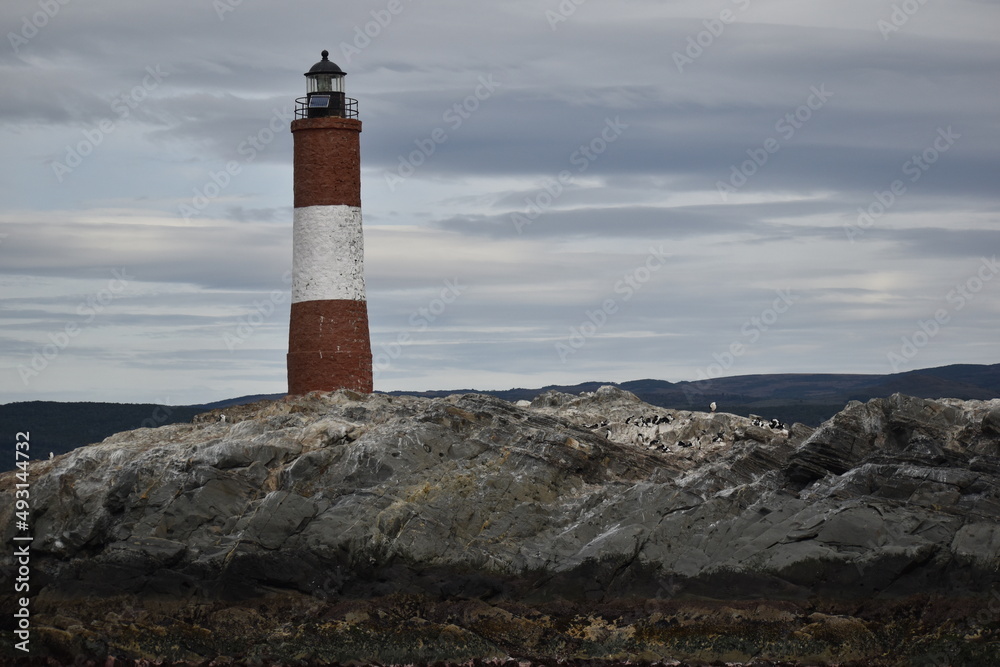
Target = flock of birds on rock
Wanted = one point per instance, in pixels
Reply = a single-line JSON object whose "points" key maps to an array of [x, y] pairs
{"points": [[654, 442], [637, 421], [650, 441], [651, 421], [774, 424]]}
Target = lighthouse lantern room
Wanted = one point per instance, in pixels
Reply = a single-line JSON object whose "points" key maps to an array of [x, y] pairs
{"points": [[325, 92]]}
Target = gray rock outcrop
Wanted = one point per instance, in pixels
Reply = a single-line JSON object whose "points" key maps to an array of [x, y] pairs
{"points": [[589, 499]]}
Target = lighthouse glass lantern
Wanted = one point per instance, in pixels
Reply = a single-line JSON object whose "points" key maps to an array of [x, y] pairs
{"points": [[325, 89]]}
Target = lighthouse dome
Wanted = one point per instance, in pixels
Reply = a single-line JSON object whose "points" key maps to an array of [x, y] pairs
{"points": [[325, 66]]}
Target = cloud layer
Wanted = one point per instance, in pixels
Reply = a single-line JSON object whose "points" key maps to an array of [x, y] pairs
{"points": [[815, 185]]}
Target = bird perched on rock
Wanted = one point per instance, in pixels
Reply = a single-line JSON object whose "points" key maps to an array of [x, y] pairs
{"points": [[712, 406]]}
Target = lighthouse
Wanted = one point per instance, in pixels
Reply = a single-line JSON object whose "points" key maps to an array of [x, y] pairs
{"points": [[328, 342]]}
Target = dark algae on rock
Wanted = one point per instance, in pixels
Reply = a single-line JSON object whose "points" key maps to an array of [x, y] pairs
{"points": [[592, 529]]}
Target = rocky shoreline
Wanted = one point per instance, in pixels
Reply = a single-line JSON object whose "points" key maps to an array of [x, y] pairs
{"points": [[369, 529]]}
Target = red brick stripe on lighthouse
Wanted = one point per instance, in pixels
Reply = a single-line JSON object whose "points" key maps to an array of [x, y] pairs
{"points": [[328, 340], [330, 349], [327, 161]]}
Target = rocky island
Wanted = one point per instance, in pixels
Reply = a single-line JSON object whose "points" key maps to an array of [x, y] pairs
{"points": [[352, 528]]}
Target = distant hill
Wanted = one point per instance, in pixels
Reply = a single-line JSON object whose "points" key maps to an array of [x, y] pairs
{"points": [[810, 398]]}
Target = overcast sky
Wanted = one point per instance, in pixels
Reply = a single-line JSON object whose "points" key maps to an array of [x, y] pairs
{"points": [[552, 192]]}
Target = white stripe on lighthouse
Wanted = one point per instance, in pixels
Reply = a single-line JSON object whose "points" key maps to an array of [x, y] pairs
{"points": [[328, 259]]}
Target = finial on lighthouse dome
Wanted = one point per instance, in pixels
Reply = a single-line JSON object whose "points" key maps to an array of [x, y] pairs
{"points": [[325, 91]]}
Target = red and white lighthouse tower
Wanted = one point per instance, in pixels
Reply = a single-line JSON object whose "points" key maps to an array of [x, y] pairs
{"points": [[328, 342]]}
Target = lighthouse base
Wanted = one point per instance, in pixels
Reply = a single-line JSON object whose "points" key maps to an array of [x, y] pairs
{"points": [[329, 348]]}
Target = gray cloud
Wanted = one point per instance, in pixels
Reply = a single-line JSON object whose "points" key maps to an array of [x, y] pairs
{"points": [[233, 76]]}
